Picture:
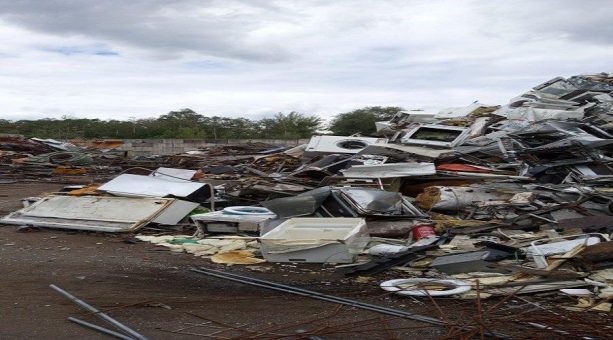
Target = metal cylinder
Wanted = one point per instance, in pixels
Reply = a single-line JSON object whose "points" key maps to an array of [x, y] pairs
{"points": [[98, 313], [319, 296], [99, 328]]}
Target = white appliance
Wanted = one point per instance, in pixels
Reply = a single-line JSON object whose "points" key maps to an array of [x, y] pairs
{"points": [[339, 144], [315, 240]]}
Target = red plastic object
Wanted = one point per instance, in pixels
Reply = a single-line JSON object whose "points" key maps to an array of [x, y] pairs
{"points": [[423, 230]]}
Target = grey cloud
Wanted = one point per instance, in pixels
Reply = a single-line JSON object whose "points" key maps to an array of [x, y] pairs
{"points": [[224, 29], [578, 21], [228, 56], [168, 28]]}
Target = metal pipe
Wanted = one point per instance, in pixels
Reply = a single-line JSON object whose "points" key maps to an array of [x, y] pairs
{"points": [[98, 313], [310, 292], [317, 295], [329, 298], [99, 328]]}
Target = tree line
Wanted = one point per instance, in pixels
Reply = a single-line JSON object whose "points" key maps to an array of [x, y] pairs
{"points": [[187, 124]]}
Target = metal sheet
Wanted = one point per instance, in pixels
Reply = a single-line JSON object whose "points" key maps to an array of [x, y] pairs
{"points": [[94, 208], [455, 112], [173, 174], [175, 212], [390, 170], [413, 116], [56, 144], [373, 200], [403, 151], [109, 214], [369, 201], [145, 186], [537, 287], [533, 114]]}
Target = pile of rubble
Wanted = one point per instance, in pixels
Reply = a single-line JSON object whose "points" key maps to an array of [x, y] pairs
{"points": [[478, 200], [39, 159]]}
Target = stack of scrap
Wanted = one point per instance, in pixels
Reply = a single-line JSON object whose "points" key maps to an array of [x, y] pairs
{"points": [[514, 195], [37, 159]]}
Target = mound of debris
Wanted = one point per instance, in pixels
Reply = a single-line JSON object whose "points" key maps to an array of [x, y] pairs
{"points": [[477, 200]]}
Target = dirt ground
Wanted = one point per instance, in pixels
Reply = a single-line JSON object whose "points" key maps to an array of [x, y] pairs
{"points": [[153, 291]]}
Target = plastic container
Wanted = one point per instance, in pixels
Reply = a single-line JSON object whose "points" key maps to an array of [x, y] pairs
{"points": [[315, 240]]}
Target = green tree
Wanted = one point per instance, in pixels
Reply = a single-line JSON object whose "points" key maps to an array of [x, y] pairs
{"points": [[184, 123], [7, 126], [361, 121], [291, 125]]}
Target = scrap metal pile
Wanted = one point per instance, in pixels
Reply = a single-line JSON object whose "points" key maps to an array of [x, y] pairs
{"points": [[512, 199], [52, 160]]}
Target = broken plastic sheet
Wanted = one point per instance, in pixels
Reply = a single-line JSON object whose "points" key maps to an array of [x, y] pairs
{"points": [[561, 245], [200, 247]]}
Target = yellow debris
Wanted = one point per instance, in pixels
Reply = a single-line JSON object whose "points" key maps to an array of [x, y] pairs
{"points": [[236, 257]]}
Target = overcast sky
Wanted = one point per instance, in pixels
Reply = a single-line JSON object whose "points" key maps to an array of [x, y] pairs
{"points": [[122, 59]]}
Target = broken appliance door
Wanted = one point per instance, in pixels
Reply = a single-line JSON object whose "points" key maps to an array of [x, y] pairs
{"points": [[303, 204], [96, 213], [375, 202], [224, 222], [435, 135]]}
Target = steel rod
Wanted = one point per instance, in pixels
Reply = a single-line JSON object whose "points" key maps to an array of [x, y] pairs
{"points": [[99, 328], [98, 313], [325, 297], [319, 296]]}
